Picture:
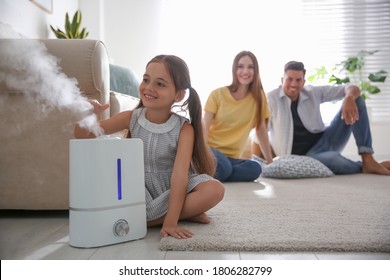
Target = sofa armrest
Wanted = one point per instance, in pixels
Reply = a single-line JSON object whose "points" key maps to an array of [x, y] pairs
{"points": [[34, 151], [86, 61]]}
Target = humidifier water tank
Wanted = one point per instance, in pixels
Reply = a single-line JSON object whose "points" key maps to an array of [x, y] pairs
{"points": [[106, 191]]}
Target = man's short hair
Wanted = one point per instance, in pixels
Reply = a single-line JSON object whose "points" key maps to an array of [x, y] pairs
{"points": [[295, 65]]}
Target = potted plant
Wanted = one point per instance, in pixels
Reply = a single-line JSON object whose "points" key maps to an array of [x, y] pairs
{"points": [[72, 29], [352, 71]]}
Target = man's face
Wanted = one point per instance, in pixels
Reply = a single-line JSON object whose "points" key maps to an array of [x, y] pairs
{"points": [[292, 83]]}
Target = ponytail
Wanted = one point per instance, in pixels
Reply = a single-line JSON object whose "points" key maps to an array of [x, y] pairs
{"points": [[202, 157]]}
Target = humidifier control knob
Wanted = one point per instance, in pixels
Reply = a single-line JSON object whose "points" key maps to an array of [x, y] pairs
{"points": [[121, 228]]}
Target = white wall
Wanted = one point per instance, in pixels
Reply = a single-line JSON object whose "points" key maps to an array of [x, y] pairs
{"points": [[29, 20], [130, 30], [134, 32]]}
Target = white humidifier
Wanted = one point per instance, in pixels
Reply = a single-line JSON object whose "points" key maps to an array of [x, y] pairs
{"points": [[106, 191]]}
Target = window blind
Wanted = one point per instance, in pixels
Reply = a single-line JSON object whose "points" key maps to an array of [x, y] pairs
{"points": [[338, 29]]}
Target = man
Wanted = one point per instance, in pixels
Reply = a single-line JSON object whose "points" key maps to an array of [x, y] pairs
{"points": [[296, 126]]}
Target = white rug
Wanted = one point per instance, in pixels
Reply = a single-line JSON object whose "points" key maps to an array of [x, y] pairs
{"points": [[348, 213]]}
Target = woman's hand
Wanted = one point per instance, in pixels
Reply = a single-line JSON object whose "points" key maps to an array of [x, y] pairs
{"points": [[97, 107], [175, 231]]}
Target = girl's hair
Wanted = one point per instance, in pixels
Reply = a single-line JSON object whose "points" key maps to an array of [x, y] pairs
{"points": [[255, 87], [202, 157]]}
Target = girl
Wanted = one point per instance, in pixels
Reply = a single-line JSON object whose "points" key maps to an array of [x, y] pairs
{"points": [[231, 112], [178, 164]]}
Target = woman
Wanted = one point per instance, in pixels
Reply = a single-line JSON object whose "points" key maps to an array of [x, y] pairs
{"points": [[231, 112]]}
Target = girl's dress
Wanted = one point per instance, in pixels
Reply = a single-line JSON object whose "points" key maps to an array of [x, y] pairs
{"points": [[160, 146]]}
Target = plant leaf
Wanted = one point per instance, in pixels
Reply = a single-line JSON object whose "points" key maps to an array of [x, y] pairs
{"points": [[68, 26], [356, 63], [318, 74], [373, 89], [365, 53], [76, 24], [60, 34], [83, 34], [353, 63], [338, 81], [72, 29], [379, 76], [368, 87]]}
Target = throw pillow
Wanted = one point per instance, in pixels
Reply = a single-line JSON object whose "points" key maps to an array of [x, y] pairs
{"points": [[294, 166], [123, 80]]}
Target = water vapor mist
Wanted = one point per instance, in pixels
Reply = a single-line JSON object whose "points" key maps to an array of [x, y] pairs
{"points": [[26, 67]]}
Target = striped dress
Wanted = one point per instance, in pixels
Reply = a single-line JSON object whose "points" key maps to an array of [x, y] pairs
{"points": [[160, 146]]}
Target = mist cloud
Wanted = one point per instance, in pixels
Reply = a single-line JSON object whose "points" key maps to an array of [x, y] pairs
{"points": [[26, 67]]}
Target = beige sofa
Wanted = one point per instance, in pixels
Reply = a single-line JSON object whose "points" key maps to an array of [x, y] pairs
{"points": [[35, 135]]}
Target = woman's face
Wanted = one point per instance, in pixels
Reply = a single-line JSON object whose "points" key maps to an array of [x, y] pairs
{"points": [[245, 70]]}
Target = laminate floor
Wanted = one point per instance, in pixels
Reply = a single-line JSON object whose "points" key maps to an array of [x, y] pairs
{"points": [[44, 235]]}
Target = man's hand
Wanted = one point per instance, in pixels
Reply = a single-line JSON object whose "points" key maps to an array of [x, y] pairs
{"points": [[350, 113]]}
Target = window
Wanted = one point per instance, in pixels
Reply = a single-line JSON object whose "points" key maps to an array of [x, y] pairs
{"points": [[342, 28], [208, 34]]}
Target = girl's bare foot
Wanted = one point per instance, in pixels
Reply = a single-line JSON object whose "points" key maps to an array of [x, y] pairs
{"points": [[201, 218]]}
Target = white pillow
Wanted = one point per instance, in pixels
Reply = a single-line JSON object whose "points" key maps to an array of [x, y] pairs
{"points": [[294, 166]]}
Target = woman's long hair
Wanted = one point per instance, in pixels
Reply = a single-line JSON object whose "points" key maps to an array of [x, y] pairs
{"points": [[255, 87], [202, 157]]}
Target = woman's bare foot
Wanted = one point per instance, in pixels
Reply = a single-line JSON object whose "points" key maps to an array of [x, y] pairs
{"points": [[201, 218], [371, 166]]}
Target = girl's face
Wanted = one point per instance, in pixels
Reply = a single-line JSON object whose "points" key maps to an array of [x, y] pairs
{"points": [[245, 70], [157, 89]]}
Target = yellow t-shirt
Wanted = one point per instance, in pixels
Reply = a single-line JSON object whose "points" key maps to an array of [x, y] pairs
{"points": [[233, 120]]}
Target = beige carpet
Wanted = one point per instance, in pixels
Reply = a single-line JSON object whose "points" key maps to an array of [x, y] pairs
{"points": [[348, 213]]}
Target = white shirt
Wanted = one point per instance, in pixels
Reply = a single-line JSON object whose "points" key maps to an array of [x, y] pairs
{"points": [[281, 122]]}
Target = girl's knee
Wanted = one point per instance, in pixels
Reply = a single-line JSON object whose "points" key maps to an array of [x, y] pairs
{"points": [[211, 192], [215, 190], [219, 190]]}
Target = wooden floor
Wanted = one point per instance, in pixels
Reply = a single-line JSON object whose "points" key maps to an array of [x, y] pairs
{"points": [[44, 235]]}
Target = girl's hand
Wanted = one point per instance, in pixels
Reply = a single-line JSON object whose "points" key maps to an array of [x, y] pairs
{"points": [[97, 107], [175, 231]]}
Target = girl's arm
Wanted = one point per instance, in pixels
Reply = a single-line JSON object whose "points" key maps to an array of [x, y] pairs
{"points": [[179, 182], [114, 124], [262, 135]]}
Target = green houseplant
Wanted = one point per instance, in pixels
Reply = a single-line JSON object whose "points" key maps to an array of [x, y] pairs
{"points": [[351, 70], [72, 28]]}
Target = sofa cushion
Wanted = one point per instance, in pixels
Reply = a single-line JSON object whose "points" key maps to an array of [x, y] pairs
{"points": [[294, 166], [123, 80]]}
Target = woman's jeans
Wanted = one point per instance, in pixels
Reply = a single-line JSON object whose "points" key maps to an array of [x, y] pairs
{"points": [[235, 170], [328, 148]]}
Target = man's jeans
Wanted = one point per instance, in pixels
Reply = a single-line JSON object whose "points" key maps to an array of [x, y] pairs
{"points": [[235, 170], [327, 150]]}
